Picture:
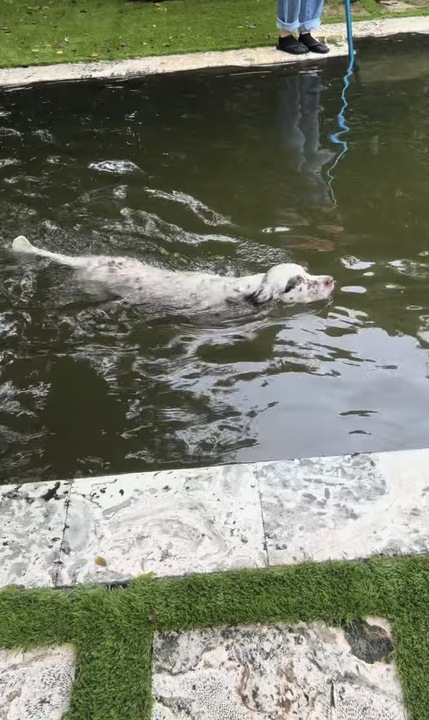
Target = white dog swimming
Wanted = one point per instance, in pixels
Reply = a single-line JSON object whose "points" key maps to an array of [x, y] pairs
{"points": [[138, 283]]}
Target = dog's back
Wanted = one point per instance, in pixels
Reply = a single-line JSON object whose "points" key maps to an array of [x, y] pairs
{"points": [[136, 282]]}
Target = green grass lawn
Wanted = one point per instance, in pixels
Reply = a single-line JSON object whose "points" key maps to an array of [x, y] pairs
{"points": [[47, 31], [112, 630]]}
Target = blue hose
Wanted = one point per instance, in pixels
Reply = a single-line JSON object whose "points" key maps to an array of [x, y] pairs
{"points": [[337, 137]]}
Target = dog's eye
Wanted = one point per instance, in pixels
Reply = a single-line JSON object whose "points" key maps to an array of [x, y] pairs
{"points": [[293, 282]]}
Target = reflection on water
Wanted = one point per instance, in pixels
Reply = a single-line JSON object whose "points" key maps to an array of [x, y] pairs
{"points": [[299, 111], [226, 174]]}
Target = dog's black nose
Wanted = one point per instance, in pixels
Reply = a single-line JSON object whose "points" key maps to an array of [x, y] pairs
{"points": [[328, 280]]}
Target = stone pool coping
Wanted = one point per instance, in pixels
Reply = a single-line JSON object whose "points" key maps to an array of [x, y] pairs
{"points": [[178, 522], [244, 58]]}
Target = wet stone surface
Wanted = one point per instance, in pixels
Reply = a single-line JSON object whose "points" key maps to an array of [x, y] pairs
{"points": [[345, 507], [170, 523], [32, 519]]}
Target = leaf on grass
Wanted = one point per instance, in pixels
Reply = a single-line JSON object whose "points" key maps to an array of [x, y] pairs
{"points": [[13, 586]]}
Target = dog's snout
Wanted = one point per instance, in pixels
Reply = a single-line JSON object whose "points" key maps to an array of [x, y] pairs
{"points": [[328, 280]]}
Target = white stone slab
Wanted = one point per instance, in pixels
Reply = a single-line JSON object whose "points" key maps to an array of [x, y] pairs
{"points": [[249, 57], [346, 507], [35, 685], [169, 523], [213, 519], [32, 519], [308, 671]]}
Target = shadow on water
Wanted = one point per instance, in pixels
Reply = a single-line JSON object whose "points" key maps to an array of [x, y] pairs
{"points": [[227, 173]]}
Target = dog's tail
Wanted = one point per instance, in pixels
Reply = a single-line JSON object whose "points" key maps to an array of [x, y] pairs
{"points": [[24, 247]]}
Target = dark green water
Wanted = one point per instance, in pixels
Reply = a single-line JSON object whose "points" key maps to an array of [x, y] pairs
{"points": [[90, 390]]}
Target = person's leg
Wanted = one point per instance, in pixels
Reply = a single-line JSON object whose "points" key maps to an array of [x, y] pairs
{"points": [[287, 22], [309, 19]]}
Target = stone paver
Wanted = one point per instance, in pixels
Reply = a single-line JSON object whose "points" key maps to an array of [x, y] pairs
{"points": [[269, 673], [35, 685], [32, 519], [169, 523], [346, 507]]}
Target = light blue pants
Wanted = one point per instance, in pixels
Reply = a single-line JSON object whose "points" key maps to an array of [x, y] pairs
{"points": [[302, 15]]}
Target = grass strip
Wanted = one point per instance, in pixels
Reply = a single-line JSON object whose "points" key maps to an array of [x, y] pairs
{"points": [[112, 630]]}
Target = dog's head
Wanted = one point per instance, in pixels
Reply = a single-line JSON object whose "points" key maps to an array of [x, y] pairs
{"points": [[291, 283]]}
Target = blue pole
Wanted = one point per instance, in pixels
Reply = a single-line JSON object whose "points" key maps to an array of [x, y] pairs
{"points": [[348, 11]]}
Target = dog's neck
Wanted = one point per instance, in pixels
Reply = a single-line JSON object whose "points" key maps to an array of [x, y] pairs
{"points": [[245, 287], [251, 283]]}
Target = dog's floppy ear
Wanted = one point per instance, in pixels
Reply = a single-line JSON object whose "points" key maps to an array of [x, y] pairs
{"points": [[262, 295], [267, 291], [292, 283]]}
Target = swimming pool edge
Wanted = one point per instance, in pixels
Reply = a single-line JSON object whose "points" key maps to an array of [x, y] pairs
{"points": [[112, 529], [244, 58]]}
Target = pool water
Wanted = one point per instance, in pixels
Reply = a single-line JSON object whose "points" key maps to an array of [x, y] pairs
{"points": [[226, 172]]}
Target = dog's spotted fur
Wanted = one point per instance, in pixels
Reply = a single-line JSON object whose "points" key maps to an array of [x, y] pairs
{"points": [[138, 283]]}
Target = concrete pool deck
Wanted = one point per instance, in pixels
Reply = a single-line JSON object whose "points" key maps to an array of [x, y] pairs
{"points": [[176, 522], [246, 58]]}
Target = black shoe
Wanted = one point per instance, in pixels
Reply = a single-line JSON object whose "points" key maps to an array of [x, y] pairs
{"points": [[291, 45], [313, 44]]}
